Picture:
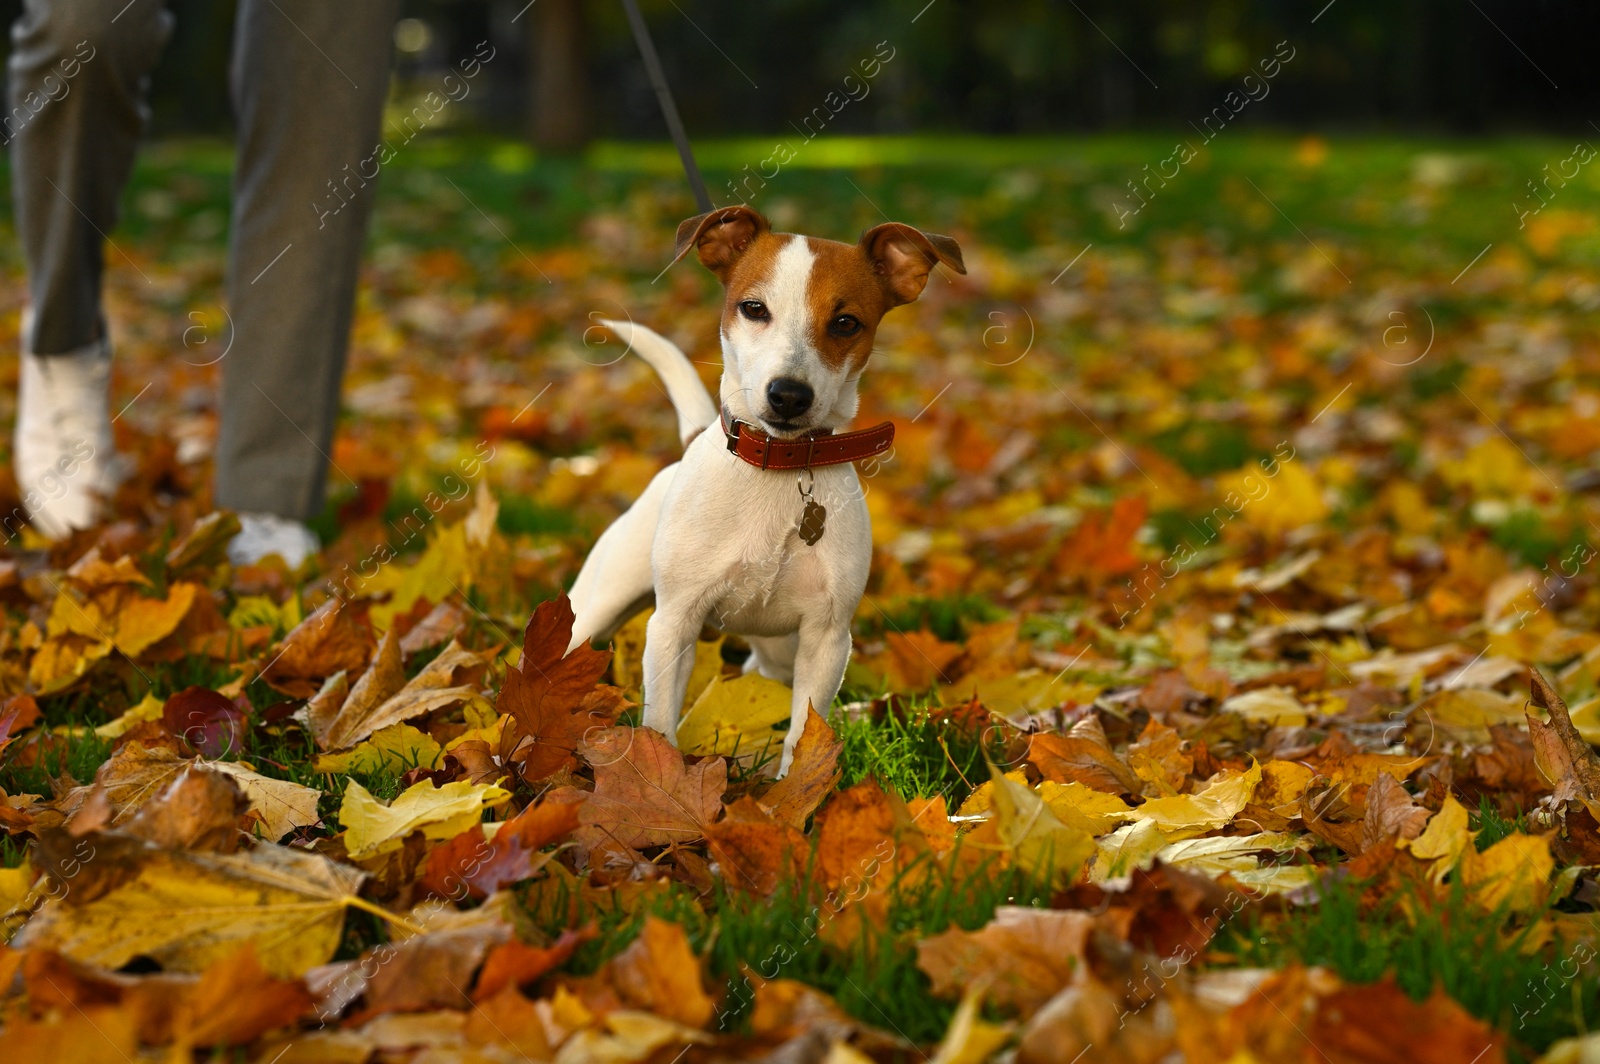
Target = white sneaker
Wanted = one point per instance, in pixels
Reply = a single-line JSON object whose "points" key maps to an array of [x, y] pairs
{"points": [[62, 447], [263, 534]]}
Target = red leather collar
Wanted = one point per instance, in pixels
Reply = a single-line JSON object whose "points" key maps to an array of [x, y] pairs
{"points": [[820, 448]]}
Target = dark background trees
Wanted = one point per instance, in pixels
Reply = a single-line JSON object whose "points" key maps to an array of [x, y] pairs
{"points": [[566, 71]]}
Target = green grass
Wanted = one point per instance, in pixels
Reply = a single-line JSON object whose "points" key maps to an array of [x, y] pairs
{"points": [[945, 617], [876, 979], [915, 752], [1492, 826], [1490, 963]]}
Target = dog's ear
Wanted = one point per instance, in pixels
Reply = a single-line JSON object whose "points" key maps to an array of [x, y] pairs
{"points": [[720, 236], [902, 256]]}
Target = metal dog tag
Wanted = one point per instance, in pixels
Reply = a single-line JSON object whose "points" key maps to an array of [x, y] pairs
{"points": [[813, 522]]}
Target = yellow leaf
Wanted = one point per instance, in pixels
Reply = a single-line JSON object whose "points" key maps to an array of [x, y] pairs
{"points": [[1039, 842], [188, 910], [1017, 694], [1130, 847], [445, 568], [396, 749], [746, 713], [1276, 705], [149, 708], [1514, 872], [15, 886], [981, 800], [1467, 712], [969, 1039], [1085, 808], [1444, 840], [1493, 468], [63, 659], [1237, 856], [281, 805], [1275, 504], [1182, 816], [373, 828]]}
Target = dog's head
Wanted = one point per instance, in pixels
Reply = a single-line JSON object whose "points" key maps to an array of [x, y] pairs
{"points": [[800, 312]]}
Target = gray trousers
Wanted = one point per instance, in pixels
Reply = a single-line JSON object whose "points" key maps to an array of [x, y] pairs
{"points": [[309, 78]]}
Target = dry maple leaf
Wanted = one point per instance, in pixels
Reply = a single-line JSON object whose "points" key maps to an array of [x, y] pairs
{"points": [[1391, 812], [383, 696], [1380, 1024], [660, 973], [1564, 757], [644, 793], [434, 970], [373, 827], [1025, 955], [1084, 756], [189, 910], [918, 660], [198, 810], [757, 852], [1101, 545], [470, 865], [812, 775], [545, 694], [328, 641], [135, 773], [514, 965], [236, 1000]]}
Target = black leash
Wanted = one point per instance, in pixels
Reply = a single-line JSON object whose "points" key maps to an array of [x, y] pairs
{"points": [[669, 109]]}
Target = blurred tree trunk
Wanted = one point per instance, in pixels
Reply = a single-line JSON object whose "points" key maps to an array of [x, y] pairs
{"points": [[559, 80]]}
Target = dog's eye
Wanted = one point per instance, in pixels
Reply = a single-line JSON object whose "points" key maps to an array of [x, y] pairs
{"points": [[844, 325], [754, 309]]}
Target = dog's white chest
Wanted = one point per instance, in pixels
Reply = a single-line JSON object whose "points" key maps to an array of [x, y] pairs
{"points": [[737, 533]]}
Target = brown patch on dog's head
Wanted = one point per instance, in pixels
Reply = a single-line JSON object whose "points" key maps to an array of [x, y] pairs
{"points": [[721, 237], [800, 314]]}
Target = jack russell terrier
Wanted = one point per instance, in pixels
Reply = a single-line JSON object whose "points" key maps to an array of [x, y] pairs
{"points": [[762, 528]]}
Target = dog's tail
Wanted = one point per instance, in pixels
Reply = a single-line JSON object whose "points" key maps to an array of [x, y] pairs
{"points": [[696, 411]]}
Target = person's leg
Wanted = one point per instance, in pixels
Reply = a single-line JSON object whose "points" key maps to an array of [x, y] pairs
{"points": [[74, 113], [309, 82]]}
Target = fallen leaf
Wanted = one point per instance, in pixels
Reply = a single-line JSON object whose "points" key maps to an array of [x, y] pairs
{"points": [[328, 641], [1082, 756], [470, 865], [373, 828], [968, 1039], [545, 694], [513, 964], [206, 721], [746, 716], [812, 775], [236, 1000], [1025, 956], [1514, 872], [1037, 840], [1211, 807], [188, 911], [659, 973], [1564, 758], [756, 851], [644, 793]]}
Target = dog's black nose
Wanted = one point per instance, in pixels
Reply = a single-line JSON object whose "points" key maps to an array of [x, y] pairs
{"points": [[789, 398]]}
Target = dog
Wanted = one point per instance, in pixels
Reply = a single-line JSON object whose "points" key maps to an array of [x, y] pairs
{"points": [[762, 527]]}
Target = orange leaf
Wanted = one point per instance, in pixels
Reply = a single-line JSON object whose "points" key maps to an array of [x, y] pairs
{"points": [[659, 973], [513, 964], [545, 693], [644, 793], [812, 774]]}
